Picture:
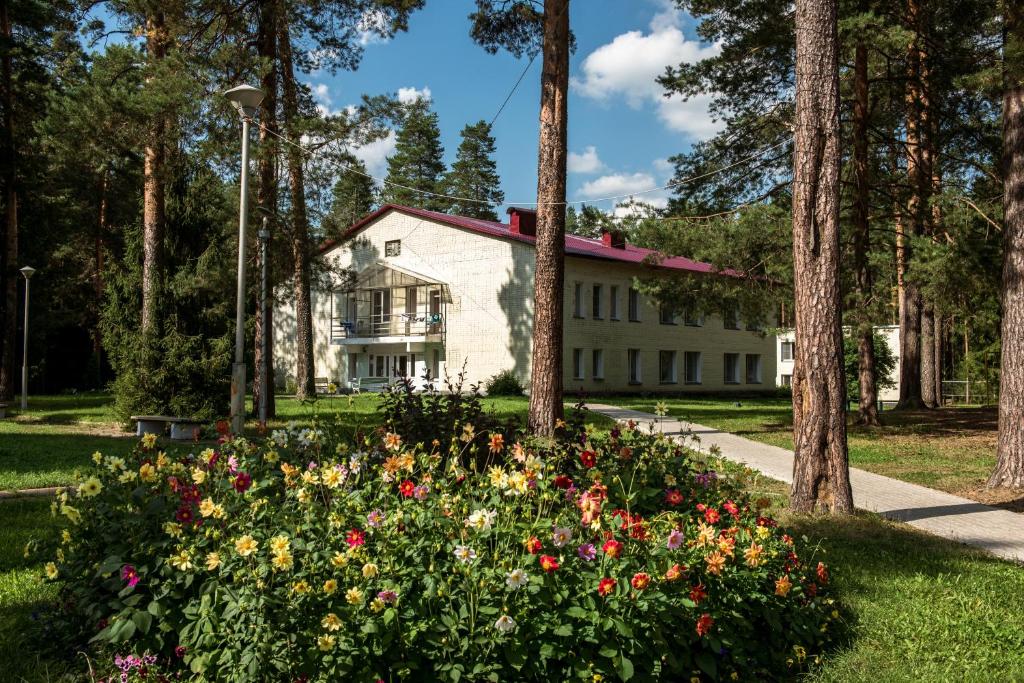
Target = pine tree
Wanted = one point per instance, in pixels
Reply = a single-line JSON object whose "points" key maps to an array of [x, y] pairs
{"points": [[354, 196], [418, 161], [474, 175]]}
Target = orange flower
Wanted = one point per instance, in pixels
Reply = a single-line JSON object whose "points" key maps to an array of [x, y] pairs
{"points": [[533, 545], [727, 545], [697, 593], [753, 554], [606, 587], [782, 586], [392, 442], [497, 443], [548, 563], [518, 453], [704, 624], [822, 572], [674, 572], [640, 580], [715, 562], [392, 464]]}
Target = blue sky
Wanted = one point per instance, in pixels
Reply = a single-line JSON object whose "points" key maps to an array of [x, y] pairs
{"points": [[621, 128]]}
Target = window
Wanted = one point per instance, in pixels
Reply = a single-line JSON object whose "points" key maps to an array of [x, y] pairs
{"points": [[577, 301], [692, 319], [754, 327], [595, 302], [731, 318], [393, 248], [613, 302], [786, 351], [634, 305], [633, 357], [597, 364], [577, 363], [666, 316], [692, 360], [787, 380], [732, 368], [667, 367], [753, 368]]}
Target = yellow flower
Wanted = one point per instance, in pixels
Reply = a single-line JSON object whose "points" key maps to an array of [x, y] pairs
{"points": [[148, 441], [51, 570], [753, 554], [282, 561], [354, 596], [115, 463], [326, 643], [369, 570], [279, 544], [517, 483], [339, 560], [309, 478], [65, 536], [300, 587], [303, 496], [499, 479], [376, 605], [706, 535], [406, 462], [332, 478], [90, 487], [207, 455], [60, 555], [162, 460], [97, 457], [207, 507], [331, 622], [147, 472], [172, 529], [763, 532], [212, 561], [468, 432], [330, 585], [246, 545], [71, 513], [182, 561], [198, 475], [270, 456], [127, 476], [559, 423]]}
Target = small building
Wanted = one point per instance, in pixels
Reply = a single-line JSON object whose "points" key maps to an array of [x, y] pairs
{"points": [[429, 294], [890, 333]]}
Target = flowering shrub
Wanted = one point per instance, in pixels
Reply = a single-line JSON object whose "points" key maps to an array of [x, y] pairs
{"points": [[303, 558]]}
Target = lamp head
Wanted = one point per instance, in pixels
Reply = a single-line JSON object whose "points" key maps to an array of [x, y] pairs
{"points": [[246, 99], [27, 271]]}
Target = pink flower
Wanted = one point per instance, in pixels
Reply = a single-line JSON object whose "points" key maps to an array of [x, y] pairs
{"points": [[675, 539], [129, 575], [388, 597], [587, 552], [232, 464]]}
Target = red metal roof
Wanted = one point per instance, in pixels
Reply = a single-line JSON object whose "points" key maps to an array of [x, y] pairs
{"points": [[574, 244]]}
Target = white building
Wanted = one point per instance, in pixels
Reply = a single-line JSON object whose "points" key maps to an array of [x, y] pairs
{"points": [[890, 333], [433, 293]]}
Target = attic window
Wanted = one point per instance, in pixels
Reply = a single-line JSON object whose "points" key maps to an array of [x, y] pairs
{"points": [[393, 248]]}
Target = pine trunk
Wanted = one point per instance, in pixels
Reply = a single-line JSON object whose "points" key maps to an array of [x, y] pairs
{"points": [[821, 474], [153, 194], [9, 237], [928, 356], [938, 357], [867, 413], [304, 379], [549, 278], [1009, 469], [266, 197]]}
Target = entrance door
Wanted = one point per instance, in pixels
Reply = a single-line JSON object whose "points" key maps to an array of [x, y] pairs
{"points": [[381, 311], [402, 366]]}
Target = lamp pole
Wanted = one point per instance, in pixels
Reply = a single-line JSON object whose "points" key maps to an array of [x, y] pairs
{"points": [[27, 271], [265, 385], [246, 100]]}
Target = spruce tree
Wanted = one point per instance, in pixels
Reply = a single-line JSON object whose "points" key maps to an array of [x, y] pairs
{"points": [[418, 161], [474, 175], [353, 197]]}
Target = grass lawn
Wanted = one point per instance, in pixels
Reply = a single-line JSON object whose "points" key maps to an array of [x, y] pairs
{"points": [[951, 449]]}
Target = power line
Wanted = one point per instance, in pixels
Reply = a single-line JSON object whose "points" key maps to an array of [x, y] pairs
{"points": [[512, 92]]}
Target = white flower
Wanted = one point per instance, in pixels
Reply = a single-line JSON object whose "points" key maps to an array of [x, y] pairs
{"points": [[463, 553], [516, 579], [481, 520], [505, 623], [561, 536]]}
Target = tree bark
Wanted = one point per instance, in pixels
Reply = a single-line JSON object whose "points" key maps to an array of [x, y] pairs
{"points": [[821, 473], [1009, 469], [266, 198], [938, 357], [153, 205], [9, 238], [549, 276], [867, 413], [304, 364], [928, 356]]}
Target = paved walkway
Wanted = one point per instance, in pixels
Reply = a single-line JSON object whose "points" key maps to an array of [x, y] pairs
{"points": [[999, 532]]}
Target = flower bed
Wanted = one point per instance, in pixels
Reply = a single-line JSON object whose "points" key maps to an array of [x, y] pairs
{"points": [[614, 556]]}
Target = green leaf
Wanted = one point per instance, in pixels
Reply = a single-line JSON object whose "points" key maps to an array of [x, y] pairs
{"points": [[143, 620], [706, 662], [625, 668], [564, 630]]}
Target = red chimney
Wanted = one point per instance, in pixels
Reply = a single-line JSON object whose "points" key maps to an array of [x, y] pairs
{"points": [[522, 221], [613, 238]]}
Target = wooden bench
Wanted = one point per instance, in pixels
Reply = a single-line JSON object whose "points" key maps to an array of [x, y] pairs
{"points": [[321, 385], [182, 428]]}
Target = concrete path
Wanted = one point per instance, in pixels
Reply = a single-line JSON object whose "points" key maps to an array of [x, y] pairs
{"points": [[999, 532]]}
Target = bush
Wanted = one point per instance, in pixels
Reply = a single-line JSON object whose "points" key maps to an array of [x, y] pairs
{"points": [[307, 558], [885, 364], [505, 383]]}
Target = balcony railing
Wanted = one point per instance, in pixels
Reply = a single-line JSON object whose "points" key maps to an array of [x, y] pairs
{"points": [[388, 325]]}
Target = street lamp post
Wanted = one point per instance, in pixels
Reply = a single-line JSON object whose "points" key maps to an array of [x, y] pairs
{"points": [[265, 386], [247, 101], [27, 271]]}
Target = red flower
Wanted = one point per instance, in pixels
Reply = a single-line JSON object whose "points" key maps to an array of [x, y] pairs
{"points": [[640, 580], [563, 482], [673, 497], [674, 572], [533, 545], [588, 458], [697, 593], [355, 537], [812, 589], [606, 587], [407, 488], [242, 482], [223, 427], [822, 572], [712, 516], [731, 508], [548, 563], [184, 514], [612, 548], [701, 507], [704, 624]]}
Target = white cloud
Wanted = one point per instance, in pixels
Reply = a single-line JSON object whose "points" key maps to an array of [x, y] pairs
{"points": [[410, 95], [617, 184], [375, 155], [628, 66], [371, 25], [664, 167], [643, 208], [587, 162]]}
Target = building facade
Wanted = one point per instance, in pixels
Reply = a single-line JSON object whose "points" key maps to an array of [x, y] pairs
{"points": [[428, 294]]}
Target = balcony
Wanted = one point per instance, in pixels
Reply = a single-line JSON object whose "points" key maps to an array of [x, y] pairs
{"points": [[389, 304]]}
